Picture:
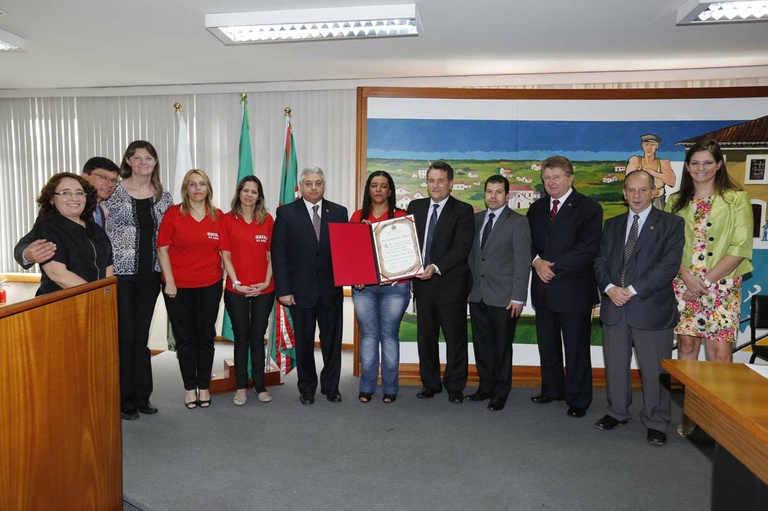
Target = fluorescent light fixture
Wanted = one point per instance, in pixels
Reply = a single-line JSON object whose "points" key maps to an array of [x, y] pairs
{"points": [[10, 42], [699, 12], [314, 24]]}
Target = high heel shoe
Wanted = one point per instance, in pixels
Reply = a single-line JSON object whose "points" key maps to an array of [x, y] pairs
{"points": [[204, 403], [685, 432], [389, 398], [191, 405], [365, 397]]}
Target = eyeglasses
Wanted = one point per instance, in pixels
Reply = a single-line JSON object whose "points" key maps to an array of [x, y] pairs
{"points": [[69, 194], [110, 180]]}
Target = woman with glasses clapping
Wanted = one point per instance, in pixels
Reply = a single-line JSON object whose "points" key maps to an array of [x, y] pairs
{"points": [[83, 251]]}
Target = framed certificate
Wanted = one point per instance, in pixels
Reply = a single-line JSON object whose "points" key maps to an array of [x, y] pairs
{"points": [[397, 250]]}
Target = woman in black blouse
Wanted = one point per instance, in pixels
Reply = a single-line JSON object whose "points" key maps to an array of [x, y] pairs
{"points": [[83, 251]]}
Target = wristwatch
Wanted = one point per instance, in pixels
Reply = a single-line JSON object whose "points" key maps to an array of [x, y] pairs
{"points": [[235, 283]]}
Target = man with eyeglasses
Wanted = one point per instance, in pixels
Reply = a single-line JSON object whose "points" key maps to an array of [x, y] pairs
{"points": [[101, 173]]}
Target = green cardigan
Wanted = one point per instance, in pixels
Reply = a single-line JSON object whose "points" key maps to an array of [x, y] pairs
{"points": [[729, 230]]}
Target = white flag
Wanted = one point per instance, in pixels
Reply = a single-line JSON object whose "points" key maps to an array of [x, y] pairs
{"points": [[183, 158]]}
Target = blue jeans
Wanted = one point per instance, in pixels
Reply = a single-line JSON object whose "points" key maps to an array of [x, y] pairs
{"points": [[379, 310]]}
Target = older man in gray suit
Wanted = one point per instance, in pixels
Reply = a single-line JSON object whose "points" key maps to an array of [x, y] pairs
{"points": [[640, 254], [500, 263]]}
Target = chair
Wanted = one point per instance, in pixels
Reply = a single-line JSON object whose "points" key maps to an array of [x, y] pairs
{"points": [[758, 320]]}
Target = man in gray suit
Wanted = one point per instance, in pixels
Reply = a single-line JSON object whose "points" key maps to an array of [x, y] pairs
{"points": [[640, 254], [500, 263]]}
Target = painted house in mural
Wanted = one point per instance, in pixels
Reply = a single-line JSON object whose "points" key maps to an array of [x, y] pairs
{"points": [[506, 172], [521, 196], [610, 178], [745, 147]]}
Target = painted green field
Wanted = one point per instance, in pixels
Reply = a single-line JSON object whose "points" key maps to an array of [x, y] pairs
{"points": [[525, 334], [589, 179]]}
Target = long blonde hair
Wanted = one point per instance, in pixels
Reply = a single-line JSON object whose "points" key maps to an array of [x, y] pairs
{"points": [[210, 210]]}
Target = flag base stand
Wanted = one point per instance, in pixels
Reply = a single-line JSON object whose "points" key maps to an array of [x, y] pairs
{"points": [[223, 381]]}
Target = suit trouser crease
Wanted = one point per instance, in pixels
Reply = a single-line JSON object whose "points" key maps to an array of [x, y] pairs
{"points": [[249, 317], [193, 313], [136, 298], [330, 322], [452, 319], [650, 347], [569, 332], [493, 333]]}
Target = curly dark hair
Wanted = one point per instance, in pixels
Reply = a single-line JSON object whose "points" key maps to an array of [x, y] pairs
{"points": [[45, 199], [391, 207]]}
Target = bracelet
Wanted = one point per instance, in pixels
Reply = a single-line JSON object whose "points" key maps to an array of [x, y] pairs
{"points": [[707, 283], [235, 283]]}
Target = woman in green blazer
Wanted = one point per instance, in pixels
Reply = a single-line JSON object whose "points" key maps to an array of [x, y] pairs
{"points": [[718, 249]]}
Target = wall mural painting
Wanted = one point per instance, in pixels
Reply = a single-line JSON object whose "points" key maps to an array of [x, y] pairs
{"points": [[604, 133]]}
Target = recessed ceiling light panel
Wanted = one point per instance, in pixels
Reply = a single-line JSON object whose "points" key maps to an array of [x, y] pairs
{"points": [[698, 12], [314, 24], [11, 42]]}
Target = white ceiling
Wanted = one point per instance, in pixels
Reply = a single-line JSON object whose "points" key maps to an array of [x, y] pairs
{"points": [[105, 43]]}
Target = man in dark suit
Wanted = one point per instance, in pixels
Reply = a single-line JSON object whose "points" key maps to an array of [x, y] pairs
{"points": [[301, 261], [640, 254], [565, 235], [445, 229], [101, 173], [500, 263]]}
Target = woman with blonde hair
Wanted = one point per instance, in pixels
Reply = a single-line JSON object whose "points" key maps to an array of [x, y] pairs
{"points": [[188, 250]]}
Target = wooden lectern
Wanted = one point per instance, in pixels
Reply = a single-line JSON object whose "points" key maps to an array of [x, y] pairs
{"points": [[60, 440]]}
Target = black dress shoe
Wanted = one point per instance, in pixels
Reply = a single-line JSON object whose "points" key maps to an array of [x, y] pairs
{"points": [[333, 396], [426, 393], [307, 399], [656, 437], [542, 399], [130, 415], [480, 396], [608, 422], [496, 404], [575, 411], [147, 409], [456, 397]]}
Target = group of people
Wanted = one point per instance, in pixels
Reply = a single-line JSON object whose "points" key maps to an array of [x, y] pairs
{"points": [[658, 272]]}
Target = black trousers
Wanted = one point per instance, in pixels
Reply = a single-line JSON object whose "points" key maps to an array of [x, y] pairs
{"points": [[493, 331], [193, 313], [574, 328], [250, 317], [431, 317], [136, 298], [329, 319]]}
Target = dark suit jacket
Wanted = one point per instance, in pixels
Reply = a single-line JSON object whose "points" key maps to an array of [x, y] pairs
{"points": [[571, 241], [301, 265], [451, 244], [23, 243], [650, 270], [500, 271]]}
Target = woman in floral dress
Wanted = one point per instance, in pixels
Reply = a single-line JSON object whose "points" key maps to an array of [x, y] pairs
{"points": [[718, 249]]}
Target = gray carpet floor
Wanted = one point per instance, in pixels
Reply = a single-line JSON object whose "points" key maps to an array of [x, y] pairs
{"points": [[411, 455]]}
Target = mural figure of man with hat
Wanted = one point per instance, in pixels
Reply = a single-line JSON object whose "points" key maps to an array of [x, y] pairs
{"points": [[661, 170]]}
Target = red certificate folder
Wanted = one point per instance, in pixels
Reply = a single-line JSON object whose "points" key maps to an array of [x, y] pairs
{"points": [[352, 254]]}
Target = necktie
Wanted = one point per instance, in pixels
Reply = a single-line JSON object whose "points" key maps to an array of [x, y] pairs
{"points": [[629, 246], [553, 211], [430, 235], [97, 216], [487, 230], [316, 221]]}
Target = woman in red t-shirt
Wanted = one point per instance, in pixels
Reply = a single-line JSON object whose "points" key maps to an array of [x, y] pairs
{"points": [[246, 243], [188, 252], [379, 309]]}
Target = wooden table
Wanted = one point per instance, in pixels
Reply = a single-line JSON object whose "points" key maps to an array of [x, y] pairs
{"points": [[730, 403]]}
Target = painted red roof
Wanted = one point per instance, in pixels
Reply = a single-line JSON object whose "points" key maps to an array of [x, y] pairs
{"points": [[745, 134]]}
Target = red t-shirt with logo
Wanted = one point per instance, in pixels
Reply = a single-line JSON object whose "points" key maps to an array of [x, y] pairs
{"points": [[248, 244], [193, 247]]}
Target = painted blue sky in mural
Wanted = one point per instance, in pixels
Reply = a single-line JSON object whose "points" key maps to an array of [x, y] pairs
{"points": [[527, 140]]}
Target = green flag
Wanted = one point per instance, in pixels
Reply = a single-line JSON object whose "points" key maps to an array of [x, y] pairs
{"points": [[281, 338], [244, 168]]}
